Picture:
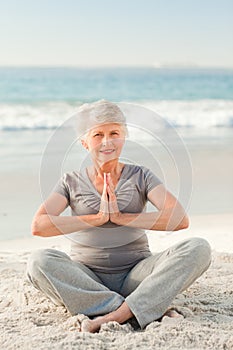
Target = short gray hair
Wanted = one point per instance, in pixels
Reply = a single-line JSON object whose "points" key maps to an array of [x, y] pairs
{"points": [[100, 112]]}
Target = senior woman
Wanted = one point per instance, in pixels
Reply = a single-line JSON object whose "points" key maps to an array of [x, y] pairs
{"points": [[111, 274]]}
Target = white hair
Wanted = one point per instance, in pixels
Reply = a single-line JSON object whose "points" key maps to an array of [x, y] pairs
{"points": [[90, 115]]}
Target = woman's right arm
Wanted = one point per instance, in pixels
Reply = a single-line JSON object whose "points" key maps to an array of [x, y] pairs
{"points": [[47, 222]]}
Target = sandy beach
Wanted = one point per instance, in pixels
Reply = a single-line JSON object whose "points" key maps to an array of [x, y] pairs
{"points": [[30, 320]]}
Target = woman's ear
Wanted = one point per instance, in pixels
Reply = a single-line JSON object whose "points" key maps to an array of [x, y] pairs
{"points": [[84, 144]]}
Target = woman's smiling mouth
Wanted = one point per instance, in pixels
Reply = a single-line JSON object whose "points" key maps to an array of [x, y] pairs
{"points": [[107, 151]]}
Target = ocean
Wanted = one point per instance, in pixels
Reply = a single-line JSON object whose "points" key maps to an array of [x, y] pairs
{"points": [[34, 102], [42, 98]]}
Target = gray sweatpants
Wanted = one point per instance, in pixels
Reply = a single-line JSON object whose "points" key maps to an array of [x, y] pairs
{"points": [[148, 288]]}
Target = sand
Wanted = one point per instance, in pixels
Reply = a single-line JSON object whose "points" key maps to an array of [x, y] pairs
{"points": [[29, 320]]}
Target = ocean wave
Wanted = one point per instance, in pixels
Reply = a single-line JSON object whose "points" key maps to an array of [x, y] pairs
{"points": [[193, 114], [197, 114]]}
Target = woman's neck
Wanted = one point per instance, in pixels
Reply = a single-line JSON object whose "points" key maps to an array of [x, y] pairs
{"points": [[113, 167]]}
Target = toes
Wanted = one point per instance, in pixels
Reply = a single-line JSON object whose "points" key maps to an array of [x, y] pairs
{"points": [[86, 326], [172, 313]]}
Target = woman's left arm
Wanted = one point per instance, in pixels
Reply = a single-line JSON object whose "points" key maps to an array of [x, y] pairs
{"points": [[170, 216]]}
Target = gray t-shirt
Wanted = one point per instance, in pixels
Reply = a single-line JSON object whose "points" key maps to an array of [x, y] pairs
{"points": [[110, 247]]}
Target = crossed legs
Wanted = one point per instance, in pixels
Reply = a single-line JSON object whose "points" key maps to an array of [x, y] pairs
{"points": [[146, 293]]}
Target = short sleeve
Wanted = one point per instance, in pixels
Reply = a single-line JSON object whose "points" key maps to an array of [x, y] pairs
{"points": [[62, 187], [151, 180]]}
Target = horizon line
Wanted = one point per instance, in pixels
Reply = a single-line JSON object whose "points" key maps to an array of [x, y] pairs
{"points": [[162, 66]]}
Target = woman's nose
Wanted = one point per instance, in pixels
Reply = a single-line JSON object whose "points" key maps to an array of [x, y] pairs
{"points": [[106, 139]]}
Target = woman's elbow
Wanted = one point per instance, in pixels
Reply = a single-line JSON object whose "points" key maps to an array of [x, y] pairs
{"points": [[43, 227], [39, 227], [35, 228], [184, 223]]}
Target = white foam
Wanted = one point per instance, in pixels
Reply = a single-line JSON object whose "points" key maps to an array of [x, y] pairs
{"points": [[198, 114], [34, 116], [194, 114]]}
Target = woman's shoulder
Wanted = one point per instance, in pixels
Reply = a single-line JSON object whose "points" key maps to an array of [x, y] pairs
{"points": [[142, 175], [136, 168], [72, 176]]}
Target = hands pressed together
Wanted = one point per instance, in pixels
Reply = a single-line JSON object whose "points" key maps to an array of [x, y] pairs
{"points": [[108, 207], [168, 219]]}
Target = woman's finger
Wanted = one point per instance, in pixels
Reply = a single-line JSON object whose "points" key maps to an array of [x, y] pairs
{"points": [[111, 193], [109, 181], [104, 198], [105, 194]]}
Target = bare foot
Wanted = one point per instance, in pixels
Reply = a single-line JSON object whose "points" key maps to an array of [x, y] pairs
{"points": [[92, 326], [122, 314], [172, 313]]}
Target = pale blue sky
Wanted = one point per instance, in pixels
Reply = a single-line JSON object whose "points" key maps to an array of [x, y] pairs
{"points": [[116, 32]]}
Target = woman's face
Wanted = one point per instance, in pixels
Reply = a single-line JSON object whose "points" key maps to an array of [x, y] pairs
{"points": [[105, 142]]}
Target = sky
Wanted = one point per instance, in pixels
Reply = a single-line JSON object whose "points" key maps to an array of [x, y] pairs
{"points": [[94, 33]]}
